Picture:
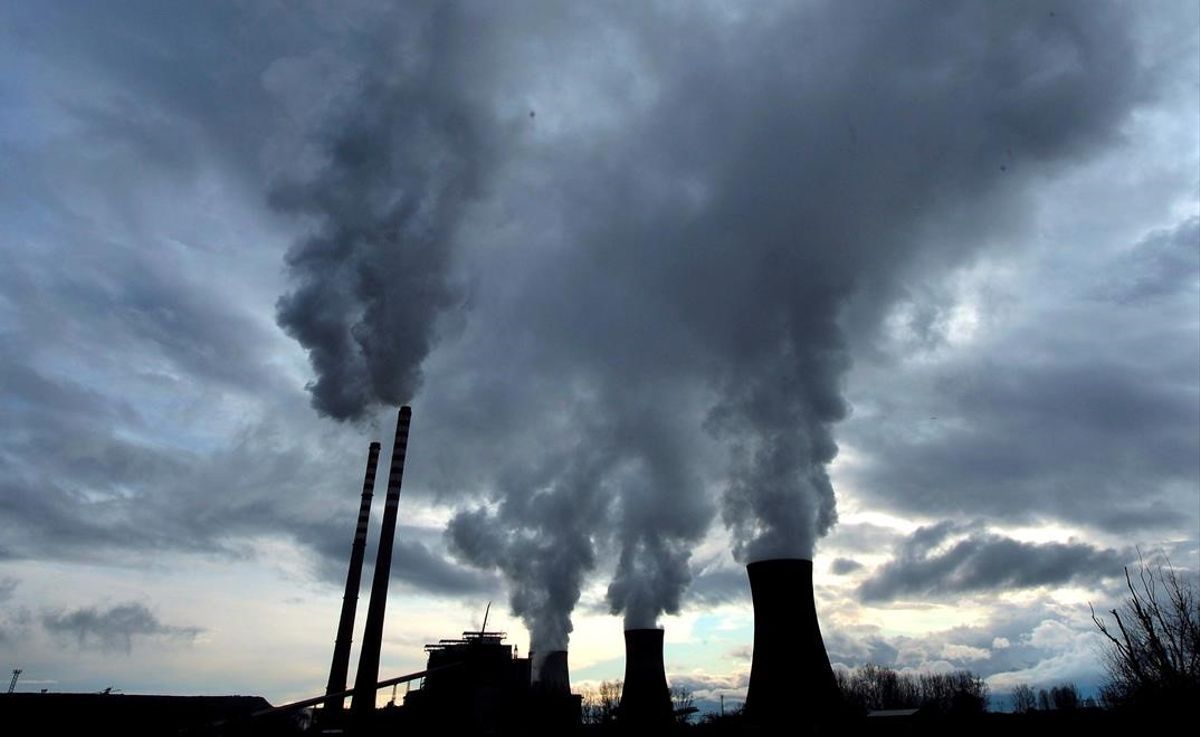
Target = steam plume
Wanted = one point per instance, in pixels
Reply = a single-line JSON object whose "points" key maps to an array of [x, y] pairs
{"points": [[675, 257]]}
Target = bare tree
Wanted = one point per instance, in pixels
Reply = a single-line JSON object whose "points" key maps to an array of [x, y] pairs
{"points": [[1153, 655], [1024, 699], [600, 703], [1044, 701], [683, 701], [1065, 697], [873, 687]]}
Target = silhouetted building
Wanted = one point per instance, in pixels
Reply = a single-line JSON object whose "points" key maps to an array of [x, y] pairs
{"points": [[479, 686]]}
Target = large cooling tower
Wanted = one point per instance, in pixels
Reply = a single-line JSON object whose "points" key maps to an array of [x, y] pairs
{"points": [[791, 681], [645, 704]]}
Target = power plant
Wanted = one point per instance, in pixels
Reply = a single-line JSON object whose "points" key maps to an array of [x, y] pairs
{"points": [[476, 684]]}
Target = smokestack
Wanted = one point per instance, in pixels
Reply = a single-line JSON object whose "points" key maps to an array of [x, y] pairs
{"points": [[363, 701], [645, 700], [345, 630], [553, 677], [791, 680]]}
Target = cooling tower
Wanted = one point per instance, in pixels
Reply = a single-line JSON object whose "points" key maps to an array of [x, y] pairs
{"points": [[645, 706], [791, 681], [553, 677], [345, 631], [363, 701]]}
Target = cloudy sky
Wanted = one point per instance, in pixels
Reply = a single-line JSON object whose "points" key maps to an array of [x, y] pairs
{"points": [[909, 288]]}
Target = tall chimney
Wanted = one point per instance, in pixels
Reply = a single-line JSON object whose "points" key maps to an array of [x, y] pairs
{"points": [[345, 630], [791, 681], [363, 701], [553, 676], [645, 706]]}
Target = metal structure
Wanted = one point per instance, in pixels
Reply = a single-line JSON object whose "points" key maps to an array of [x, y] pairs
{"points": [[645, 706], [791, 680], [345, 632], [367, 676], [12, 685]]}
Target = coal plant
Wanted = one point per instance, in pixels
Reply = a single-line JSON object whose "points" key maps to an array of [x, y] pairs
{"points": [[791, 680], [477, 684], [645, 706]]}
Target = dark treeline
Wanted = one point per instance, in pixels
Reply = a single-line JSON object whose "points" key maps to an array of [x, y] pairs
{"points": [[1062, 697], [875, 687]]}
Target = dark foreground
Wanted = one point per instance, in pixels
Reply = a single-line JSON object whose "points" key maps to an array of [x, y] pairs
{"points": [[230, 716]]}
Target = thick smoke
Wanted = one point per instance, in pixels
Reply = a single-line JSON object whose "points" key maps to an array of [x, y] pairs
{"points": [[401, 161], [701, 217], [541, 540]]}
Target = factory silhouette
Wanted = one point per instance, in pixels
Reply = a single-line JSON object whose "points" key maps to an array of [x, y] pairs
{"points": [[476, 684]]}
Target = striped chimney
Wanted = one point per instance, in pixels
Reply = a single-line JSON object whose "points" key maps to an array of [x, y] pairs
{"points": [[345, 631], [363, 701]]}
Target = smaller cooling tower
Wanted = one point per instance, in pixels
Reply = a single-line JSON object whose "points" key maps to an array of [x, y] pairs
{"points": [[791, 681], [553, 676], [645, 706]]}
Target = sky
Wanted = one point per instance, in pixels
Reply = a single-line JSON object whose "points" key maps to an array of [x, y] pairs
{"points": [[909, 289]]}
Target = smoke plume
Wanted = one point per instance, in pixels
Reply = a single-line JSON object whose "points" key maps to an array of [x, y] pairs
{"points": [[400, 163], [701, 216]]}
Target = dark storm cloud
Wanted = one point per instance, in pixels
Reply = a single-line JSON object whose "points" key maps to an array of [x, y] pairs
{"points": [[417, 557], [948, 559], [145, 395], [842, 566], [1104, 434], [114, 628], [861, 537], [715, 585], [8, 621], [1163, 264], [81, 483]]}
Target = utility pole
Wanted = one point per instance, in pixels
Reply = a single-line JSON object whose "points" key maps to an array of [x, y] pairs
{"points": [[12, 685]]}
